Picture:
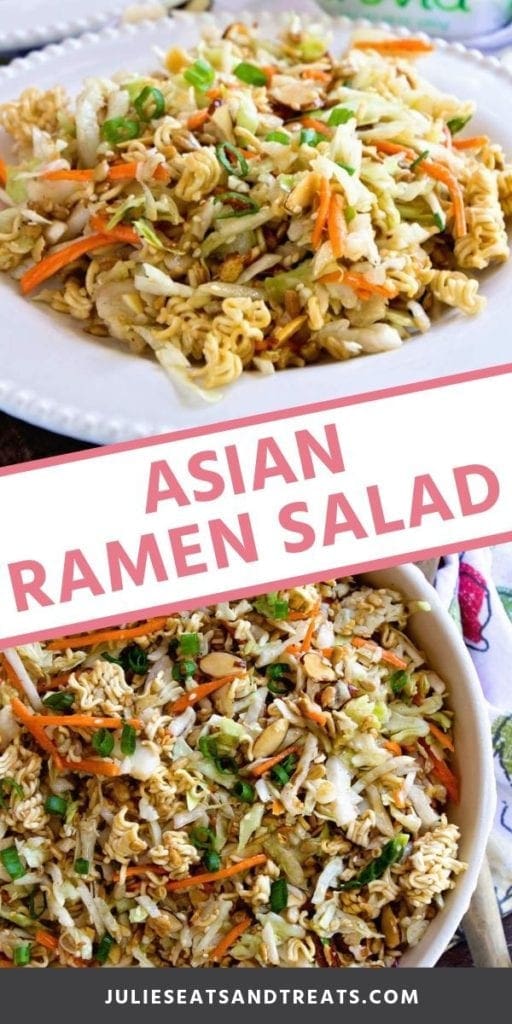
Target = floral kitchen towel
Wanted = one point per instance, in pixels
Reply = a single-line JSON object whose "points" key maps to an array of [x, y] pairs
{"points": [[477, 589]]}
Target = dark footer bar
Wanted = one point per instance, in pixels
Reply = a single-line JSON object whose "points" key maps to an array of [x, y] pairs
{"points": [[118, 996]]}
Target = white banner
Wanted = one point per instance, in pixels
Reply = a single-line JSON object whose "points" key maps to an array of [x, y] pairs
{"points": [[247, 507]]}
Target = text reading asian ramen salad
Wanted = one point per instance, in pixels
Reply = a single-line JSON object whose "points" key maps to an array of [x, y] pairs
{"points": [[254, 783], [256, 204]]}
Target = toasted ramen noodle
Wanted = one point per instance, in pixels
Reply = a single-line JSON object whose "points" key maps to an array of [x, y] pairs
{"points": [[258, 783], [253, 204]]}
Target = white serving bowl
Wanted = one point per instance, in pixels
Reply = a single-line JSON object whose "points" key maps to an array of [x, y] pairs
{"points": [[436, 635]]}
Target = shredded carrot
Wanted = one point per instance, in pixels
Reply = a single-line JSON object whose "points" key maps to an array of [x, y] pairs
{"points": [[31, 723], [393, 148], [121, 232], [394, 748], [306, 643], [51, 265], [337, 226], [234, 933], [477, 142], [161, 173], [68, 175], [11, 674], [86, 722], [323, 213], [180, 884], [296, 616], [3, 173], [441, 737], [78, 643], [445, 775], [316, 75], [317, 716], [196, 121], [123, 172], [327, 652], [264, 766], [317, 126], [442, 174], [388, 656], [359, 283], [392, 46], [277, 807], [269, 71], [55, 682], [93, 766], [46, 940], [199, 693], [213, 94]]}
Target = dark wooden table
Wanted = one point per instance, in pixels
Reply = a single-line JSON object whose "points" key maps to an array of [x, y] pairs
{"points": [[19, 442]]}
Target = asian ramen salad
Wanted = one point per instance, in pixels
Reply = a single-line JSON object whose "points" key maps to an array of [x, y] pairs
{"points": [[255, 204], [256, 783]]}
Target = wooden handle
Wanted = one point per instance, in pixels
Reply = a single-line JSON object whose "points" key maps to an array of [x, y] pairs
{"points": [[483, 926]]}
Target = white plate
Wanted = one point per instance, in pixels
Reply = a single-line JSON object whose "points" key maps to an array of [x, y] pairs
{"points": [[25, 24], [55, 376]]}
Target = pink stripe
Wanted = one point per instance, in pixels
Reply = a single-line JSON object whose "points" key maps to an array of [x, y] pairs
{"points": [[235, 595], [267, 417]]}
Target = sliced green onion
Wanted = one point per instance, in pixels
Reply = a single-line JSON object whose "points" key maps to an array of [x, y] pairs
{"points": [[183, 670], [232, 160], [392, 853], [104, 949], [439, 221], [279, 687], [309, 137], [244, 791], [272, 606], [190, 643], [282, 773], [120, 129], [346, 167], [241, 205], [279, 895], [150, 104], [208, 747], [128, 740], [21, 955], [102, 742], [280, 137], [203, 838], [211, 860], [201, 75], [340, 115], [423, 156], [350, 214], [277, 670], [36, 904], [8, 785], [82, 866], [457, 124], [11, 861], [134, 659], [398, 682], [56, 805], [250, 74], [61, 701]]}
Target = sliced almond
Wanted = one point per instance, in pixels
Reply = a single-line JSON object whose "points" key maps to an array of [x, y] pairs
{"points": [[318, 668], [271, 739], [220, 663]]}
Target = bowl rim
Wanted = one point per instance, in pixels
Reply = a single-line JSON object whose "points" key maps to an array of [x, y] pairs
{"points": [[413, 583]]}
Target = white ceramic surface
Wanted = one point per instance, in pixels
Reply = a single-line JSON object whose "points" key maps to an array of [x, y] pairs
{"points": [[25, 24], [436, 634], [54, 375]]}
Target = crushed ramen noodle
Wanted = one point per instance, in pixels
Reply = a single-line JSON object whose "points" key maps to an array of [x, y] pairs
{"points": [[255, 204], [256, 783]]}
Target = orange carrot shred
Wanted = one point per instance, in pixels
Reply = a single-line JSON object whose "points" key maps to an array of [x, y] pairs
{"points": [[315, 715], [11, 674], [476, 142], [30, 721], [445, 176], [53, 264], [441, 737], [394, 748], [85, 722], [68, 175], [393, 148], [323, 213], [270, 762], [75, 643], [46, 940], [444, 774], [187, 700], [180, 884], [3, 173], [231, 936], [388, 656], [316, 75], [120, 233], [337, 226], [123, 172], [394, 46], [196, 121], [317, 126]]}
